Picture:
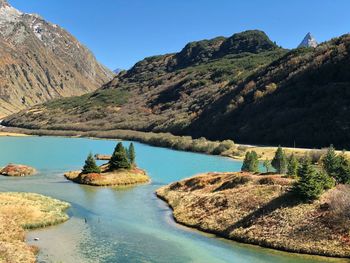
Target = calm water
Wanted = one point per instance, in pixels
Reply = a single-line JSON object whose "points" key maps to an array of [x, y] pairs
{"points": [[123, 225]]}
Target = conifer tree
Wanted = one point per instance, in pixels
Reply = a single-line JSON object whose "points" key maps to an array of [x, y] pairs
{"points": [[293, 165], [119, 159], [330, 162], [131, 154], [267, 165], [245, 165], [90, 165], [251, 162], [279, 162], [308, 187], [342, 171]]}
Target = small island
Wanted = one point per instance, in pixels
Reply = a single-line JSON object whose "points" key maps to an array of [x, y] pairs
{"points": [[17, 170], [121, 170], [302, 206]]}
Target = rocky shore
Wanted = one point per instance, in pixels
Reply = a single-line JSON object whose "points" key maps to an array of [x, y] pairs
{"points": [[258, 210]]}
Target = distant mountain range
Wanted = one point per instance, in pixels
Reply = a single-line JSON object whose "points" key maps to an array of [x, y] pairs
{"points": [[244, 88], [40, 61], [118, 70]]}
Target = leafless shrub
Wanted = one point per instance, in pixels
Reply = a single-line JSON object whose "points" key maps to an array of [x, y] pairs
{"points": [[339, 207], [316, 155]]}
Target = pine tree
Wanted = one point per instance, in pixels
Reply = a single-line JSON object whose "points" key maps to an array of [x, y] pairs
{"points": [[245, 165], [131, 154], [342, 171], [119, 159], [267, 165], [251, 162], [326, 181], [293, 165], [330, 162], [308, 187], [90, 165], [279, 162]]}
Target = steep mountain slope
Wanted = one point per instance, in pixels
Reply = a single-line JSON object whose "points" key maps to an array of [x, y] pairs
{"points": [[161, 93], [301, 99], [40, 61], [243, 88]]}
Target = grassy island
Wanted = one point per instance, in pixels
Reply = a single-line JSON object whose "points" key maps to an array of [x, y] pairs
{"points": [[121, 170], [303, 207], [22, 211]]}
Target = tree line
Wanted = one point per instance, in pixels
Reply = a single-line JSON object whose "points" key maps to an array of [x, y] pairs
{"points": [[311, 180]]}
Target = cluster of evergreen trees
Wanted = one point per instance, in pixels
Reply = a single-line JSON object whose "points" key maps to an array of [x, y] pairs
{"points": [[312, 180], [122, 158]]}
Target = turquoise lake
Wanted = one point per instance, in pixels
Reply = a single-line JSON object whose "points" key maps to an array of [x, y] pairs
{"points": [[122, 225]]}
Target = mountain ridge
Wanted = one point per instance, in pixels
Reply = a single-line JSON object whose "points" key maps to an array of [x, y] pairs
{"points": [[261, 98], [40, 61]]}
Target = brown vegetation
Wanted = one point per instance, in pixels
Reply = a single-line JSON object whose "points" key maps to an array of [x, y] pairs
{"points": [[17, 170], [259, 210], [20, 211]]}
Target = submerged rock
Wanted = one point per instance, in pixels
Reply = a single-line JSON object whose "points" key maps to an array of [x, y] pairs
{"points": [[18, 170]]}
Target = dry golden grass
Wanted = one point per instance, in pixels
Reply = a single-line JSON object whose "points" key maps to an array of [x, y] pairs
{"points": [[251, 209], [19, 211], [10, 134], [115, 178], [268, 152]]}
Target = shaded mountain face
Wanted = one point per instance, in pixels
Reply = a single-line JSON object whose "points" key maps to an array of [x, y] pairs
{"points": [[254, 93], [300, 99], [40, 61]]}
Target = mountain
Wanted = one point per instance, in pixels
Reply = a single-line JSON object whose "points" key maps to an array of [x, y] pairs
{"points": [[243, 88], [41, 61], [161, 93], [118, 70], [308, 41]]}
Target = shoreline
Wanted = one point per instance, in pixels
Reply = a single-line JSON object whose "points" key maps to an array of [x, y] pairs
{"points": [[194, 204], [166, 140], [21, 213], [218, 235]]}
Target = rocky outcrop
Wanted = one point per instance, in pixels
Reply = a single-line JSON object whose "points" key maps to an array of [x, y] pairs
{"points": [[308, 41], [40, 61], [257, 210], [17, 170]]}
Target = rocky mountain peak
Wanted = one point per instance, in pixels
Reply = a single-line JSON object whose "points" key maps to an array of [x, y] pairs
{"points": [[308, 41], [3, 3], [40, 61]]}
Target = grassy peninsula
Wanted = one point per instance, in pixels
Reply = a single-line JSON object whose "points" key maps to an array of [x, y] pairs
{"points": [[302, 207], [259, 210], [121, 170], [23, 211]]}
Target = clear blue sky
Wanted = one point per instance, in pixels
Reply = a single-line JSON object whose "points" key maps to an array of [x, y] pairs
{"points": [[122, 32]]}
